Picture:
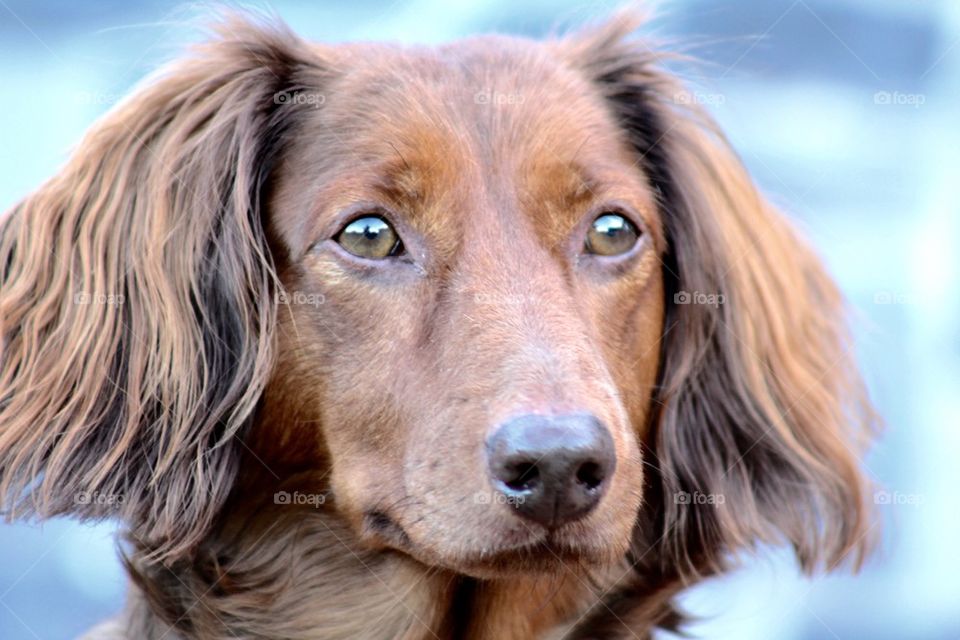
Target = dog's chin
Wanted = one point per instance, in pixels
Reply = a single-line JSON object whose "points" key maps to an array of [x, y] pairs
{"points": [[537, 554], [546, 558]]}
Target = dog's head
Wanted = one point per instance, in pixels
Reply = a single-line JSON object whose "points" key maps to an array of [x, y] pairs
{"points": [[503, 304]]}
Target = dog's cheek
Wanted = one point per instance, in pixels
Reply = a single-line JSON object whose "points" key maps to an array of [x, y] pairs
{"points": [[628, 318], [365, 428], [344, 348], [638, 375]]}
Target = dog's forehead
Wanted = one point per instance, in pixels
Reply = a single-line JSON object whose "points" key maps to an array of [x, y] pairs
{"points": [[490, 95], [502, 114]]}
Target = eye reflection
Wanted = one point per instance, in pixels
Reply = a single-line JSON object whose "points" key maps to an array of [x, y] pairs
{"points": [[611, 234], [370, 237]]}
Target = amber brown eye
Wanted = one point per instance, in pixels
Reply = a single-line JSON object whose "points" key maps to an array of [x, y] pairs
{"points": [[611, 234], [370, 237]]}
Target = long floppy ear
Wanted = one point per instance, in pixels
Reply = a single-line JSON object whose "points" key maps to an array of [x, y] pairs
{"points": [[762, 414], [136, 297]]}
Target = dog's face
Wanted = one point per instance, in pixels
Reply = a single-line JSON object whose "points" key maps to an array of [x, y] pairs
{"points": [[510, 305], [473, 271]]}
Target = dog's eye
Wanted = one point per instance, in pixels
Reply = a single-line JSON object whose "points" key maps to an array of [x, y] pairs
{"points": [[370, 237], [611, 234]]}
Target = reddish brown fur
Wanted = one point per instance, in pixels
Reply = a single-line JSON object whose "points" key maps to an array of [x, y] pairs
{"points": [[204, 202]]}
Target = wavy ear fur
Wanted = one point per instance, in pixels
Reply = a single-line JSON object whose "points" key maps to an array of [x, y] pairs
{"points": [[761, 404], [136, 297]]}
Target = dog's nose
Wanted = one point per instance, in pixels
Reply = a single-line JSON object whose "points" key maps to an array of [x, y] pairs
{"points": [[552, 469]]}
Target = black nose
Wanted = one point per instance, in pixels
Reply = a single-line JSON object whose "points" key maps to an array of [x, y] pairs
{"points": [[552, 469]]}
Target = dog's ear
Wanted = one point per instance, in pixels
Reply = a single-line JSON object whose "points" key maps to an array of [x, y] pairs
{"points": [[136, 296], [762, 415]]}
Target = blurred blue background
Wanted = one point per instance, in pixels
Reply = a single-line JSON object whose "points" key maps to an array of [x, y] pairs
{"points": [[846, 111]]}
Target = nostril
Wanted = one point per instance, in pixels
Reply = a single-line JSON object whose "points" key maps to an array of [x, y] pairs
{"points": [[590, 475], [523, 476]]}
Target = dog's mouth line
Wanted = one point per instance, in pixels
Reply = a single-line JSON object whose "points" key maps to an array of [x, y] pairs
{"points": [[543, 556], [379, 525], [545, 550]]}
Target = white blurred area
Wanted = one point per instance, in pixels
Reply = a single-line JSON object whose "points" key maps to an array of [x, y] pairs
{"points": [[847, 112]]}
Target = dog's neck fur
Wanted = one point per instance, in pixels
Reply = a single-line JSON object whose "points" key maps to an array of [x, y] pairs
{"points": [[301, 575]]}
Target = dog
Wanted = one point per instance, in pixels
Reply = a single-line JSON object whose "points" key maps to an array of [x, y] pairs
{"points": [[493, 340]]}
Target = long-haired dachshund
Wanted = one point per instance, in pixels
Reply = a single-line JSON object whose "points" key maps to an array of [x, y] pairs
{"points": [[495, 340]]}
